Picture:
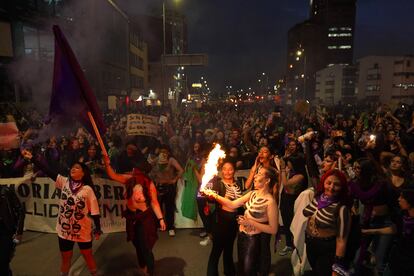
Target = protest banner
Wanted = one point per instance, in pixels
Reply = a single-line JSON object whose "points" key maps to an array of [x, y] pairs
{"points": [[40, 199], [140, 124]]}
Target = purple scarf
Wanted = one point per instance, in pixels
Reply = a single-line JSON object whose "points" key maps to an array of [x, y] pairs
{"points": [[75, 185], [324, 201], [408, 225]]}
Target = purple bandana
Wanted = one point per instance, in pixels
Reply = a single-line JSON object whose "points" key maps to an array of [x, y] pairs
{"points": [[74, 185], [408, 225], [324, 201]]}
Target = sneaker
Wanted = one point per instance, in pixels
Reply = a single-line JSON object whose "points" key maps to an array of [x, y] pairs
{"points": [[285, 251], [203, 234], [206, 241], [171, 233]]}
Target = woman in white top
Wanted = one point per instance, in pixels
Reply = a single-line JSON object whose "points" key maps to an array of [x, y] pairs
{"points": [[259, 222], [77, 205]]}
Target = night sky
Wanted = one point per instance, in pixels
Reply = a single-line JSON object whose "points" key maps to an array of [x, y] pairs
{"points": [[245, 38]]}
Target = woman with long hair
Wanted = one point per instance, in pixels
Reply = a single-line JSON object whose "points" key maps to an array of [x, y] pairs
{"points": [[293, 179], [259, 222], [76, 204], [264, 159], [328, 225], [371, 187], [225, 224], [142, 213], [402, 254]]}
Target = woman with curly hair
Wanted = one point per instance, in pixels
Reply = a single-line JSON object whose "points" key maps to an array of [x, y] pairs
{"points": [[328, 225]]}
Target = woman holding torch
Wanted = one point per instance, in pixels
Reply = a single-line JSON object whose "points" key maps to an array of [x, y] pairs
{"points": [[225, 224], [259, 222]]}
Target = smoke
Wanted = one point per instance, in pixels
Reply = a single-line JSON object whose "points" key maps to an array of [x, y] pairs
{"points": [[58, 127]]}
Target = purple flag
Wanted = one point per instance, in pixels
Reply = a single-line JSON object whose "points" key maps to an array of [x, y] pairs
{"points": [[71, 94]]}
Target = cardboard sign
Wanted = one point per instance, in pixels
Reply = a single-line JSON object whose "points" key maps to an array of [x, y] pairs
{"points": [[140, 124]]}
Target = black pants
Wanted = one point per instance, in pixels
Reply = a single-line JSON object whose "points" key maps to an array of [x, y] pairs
{"points": [[6, 251], [253, 254], [287, 204], [207, 220], [321, 255], [224, 234], [166, 198], [144, 254], [265, 254]]}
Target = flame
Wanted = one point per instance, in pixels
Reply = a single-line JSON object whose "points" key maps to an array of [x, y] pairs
{"points": [[210, 169]]}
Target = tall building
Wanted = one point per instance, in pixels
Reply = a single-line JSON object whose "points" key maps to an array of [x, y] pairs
{"points": [[166, 82], [325, 39], [138, 64], [386, 79], [335, 84]]}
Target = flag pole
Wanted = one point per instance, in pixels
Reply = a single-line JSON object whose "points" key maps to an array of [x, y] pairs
{"points": [[98, 136]]}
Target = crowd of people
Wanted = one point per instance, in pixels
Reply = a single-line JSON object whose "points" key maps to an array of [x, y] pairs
{"points": [[341, 180]]}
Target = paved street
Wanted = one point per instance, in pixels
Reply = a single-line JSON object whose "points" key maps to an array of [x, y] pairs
{"points": [[180, 255]]}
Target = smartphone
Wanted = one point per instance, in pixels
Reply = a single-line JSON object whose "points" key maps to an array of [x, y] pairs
{"points": [[372, 137]]}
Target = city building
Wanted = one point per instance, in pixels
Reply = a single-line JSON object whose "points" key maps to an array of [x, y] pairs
{"points": [[335, 85], [27, 47], [325, 39], [138, 65], [386, 79], [167, 82]]}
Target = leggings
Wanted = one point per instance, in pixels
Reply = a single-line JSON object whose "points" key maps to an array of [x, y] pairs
{"points": [[321, 254], [253, 254], [224, 234], [287, 204]]}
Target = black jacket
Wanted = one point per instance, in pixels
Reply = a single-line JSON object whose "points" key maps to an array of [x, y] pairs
{"points": [[11, 211]]}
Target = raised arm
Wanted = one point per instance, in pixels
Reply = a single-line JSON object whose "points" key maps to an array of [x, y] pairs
{"points": [[294, 180], [252, 172], [27, 155], [112, 174]]}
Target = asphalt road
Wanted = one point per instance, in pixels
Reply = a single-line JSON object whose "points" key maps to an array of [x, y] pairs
{"points": [[38, 255]]}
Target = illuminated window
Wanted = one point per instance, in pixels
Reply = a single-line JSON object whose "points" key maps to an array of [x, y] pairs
{"points": [[331, 47], [345, 29], [345, 47], [333, 29], [339, 34]]}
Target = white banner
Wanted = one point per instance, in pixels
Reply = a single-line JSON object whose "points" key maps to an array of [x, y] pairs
{"points": [[140, 124], [41, 201]]}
